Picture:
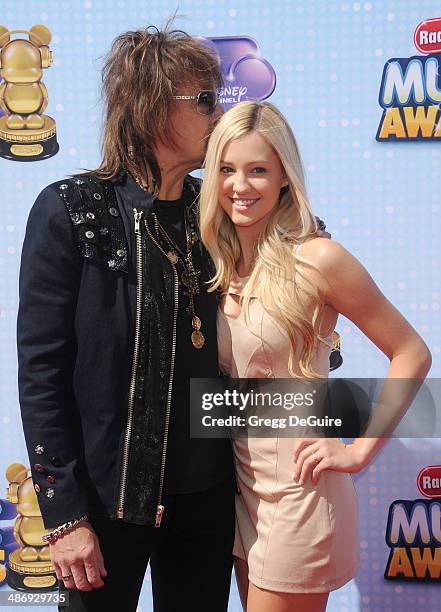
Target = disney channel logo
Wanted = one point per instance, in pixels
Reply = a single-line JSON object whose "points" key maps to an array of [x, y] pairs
{"points": [[246, 74]]}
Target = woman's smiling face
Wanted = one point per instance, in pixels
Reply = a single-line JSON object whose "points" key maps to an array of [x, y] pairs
{"points": [[251, 177]]}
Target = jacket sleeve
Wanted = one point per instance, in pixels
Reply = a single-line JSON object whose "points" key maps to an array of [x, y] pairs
{"points": [[50, 274]]}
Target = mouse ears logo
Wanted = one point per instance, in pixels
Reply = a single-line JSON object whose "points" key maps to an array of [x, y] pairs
{"points": [[414, 532], [410, 91], [247, 75]]}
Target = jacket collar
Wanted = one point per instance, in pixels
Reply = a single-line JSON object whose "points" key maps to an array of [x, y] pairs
{"points": [[131, 191]]}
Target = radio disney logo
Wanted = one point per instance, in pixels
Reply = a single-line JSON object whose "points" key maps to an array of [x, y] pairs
{"points": [[413, 532], [429, 481], [410, 96], [410, 92], [427, 37], [246, 74]]}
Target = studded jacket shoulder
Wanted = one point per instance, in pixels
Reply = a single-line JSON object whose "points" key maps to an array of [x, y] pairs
{"points": [[93, 210]]}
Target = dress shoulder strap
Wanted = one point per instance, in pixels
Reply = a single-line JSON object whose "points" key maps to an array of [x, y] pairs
{"points": [[298, 247]]}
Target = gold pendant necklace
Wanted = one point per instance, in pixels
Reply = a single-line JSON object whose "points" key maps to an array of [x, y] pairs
{"points": [[197, 337], [189, 276]]}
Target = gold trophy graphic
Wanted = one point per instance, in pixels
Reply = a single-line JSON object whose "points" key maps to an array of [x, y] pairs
{"points": [[25, 133], [30, 566]]}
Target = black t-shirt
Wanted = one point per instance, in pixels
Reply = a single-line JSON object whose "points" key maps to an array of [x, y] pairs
{"points": [[192, 464]]}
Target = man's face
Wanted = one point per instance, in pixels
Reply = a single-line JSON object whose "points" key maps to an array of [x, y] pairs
{"points": [[190, 128]]}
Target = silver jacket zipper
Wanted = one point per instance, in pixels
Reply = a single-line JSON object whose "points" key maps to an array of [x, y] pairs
{"points": [[122, 491], [160, 508]]}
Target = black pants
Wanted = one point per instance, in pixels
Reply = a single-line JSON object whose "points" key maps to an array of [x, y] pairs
{"points": [[190, 557]]}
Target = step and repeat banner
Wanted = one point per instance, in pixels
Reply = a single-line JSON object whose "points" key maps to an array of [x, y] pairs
{"points": [[360, 84]]}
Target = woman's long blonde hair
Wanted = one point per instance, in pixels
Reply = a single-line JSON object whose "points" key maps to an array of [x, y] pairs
{"points": [[276, 279]]}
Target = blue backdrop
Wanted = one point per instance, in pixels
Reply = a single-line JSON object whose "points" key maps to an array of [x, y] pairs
{"points": [[380, 199]]}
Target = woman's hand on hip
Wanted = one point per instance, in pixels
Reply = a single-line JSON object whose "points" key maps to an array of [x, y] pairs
{"points": [[314, 455]]}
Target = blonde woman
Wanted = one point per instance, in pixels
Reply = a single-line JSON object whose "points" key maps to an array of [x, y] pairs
{"points": [[282, 291]]}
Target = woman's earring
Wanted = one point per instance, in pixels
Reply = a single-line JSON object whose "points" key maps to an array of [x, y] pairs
{"points": [[284, 189]]}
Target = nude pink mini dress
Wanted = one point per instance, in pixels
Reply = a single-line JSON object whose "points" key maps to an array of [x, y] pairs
{"points": [[295, 538]]}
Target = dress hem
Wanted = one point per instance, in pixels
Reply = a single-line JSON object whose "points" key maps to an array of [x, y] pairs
{"points": [[289, 587]]}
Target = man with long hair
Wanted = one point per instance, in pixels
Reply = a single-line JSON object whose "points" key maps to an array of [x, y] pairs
{"points": [[114, 320]]}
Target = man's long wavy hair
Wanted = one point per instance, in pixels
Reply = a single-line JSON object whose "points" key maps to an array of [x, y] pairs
{"points": [[277, 280], [142, 72]]}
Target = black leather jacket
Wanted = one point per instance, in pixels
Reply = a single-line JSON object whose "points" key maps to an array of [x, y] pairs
{"points": [[96, 354]]}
